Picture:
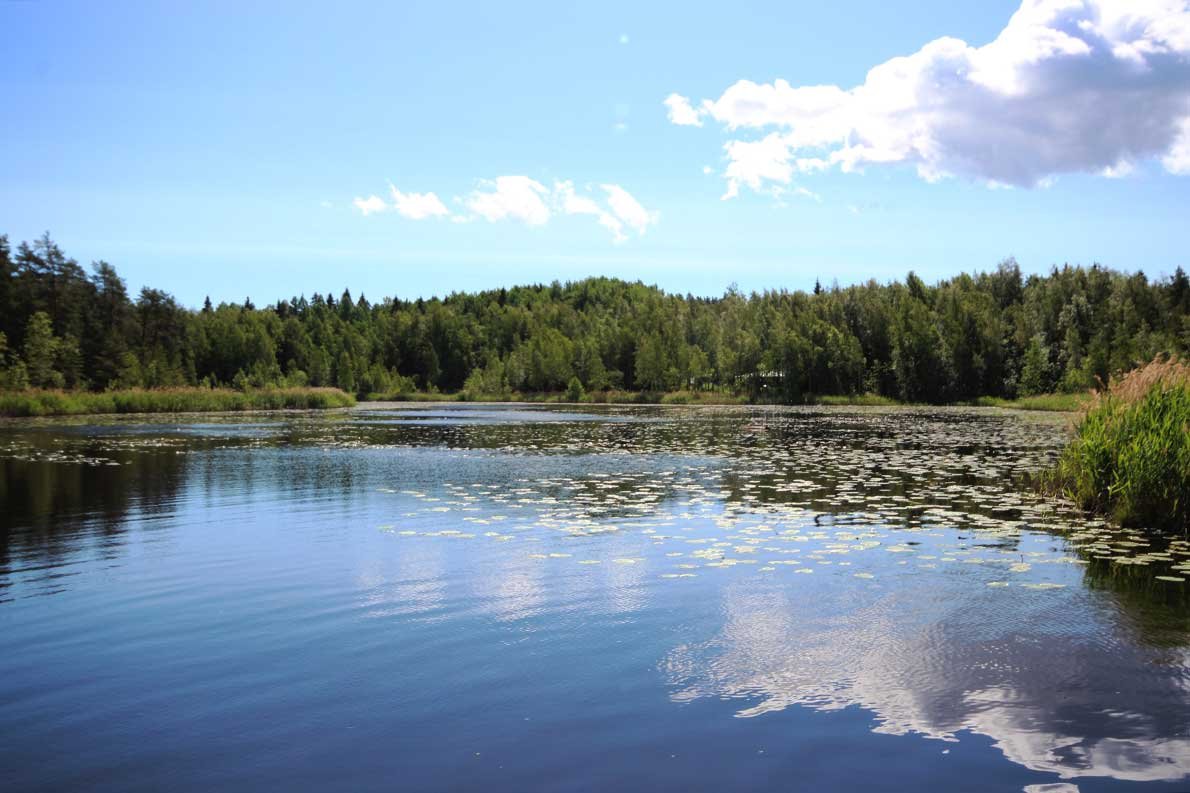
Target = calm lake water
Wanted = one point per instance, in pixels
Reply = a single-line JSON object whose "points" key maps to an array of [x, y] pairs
{"points": [[510, 598]]}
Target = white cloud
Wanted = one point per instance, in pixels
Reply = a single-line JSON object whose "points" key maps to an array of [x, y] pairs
{"points": [[628, 209], [573, 204], [370, 205], [510, 197], [1177, 160], [754, 162], [681, 112], [523, 199], [1068, 86], [417, 206]]}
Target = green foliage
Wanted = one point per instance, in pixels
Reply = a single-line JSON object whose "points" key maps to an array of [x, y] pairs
{"points": [[487, 382], [994, 334], [41, 348], [13, 375], [1131, 456], [575, 391]]}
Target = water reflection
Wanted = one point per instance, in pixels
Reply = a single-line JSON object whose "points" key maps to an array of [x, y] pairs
{"points": [[892, 560], [1059, 684]]}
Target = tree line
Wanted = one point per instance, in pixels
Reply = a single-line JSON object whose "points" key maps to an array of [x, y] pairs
{"points": [[995, 333]]}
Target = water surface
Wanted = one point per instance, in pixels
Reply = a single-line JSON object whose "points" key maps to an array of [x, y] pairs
{"points": [[525, 598]]}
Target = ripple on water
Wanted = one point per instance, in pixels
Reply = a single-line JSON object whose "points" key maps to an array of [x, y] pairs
{"points": [[312, 571]]}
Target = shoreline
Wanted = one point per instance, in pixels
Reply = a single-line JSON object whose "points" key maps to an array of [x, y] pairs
{"points": [[34, 404], [198, 401]]}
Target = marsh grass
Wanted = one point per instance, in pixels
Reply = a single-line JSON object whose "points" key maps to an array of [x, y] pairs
{"points": [[866, 400], [1130, 458], [1064, 403], [169, 400]]}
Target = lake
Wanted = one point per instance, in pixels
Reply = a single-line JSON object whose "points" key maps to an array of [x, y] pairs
{"points": [[514, 598]]}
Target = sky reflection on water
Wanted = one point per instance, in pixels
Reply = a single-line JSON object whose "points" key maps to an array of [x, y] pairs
{"points": [[235, 601]]}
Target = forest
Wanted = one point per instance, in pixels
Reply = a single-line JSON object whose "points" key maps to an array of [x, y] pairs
{"points": [[997, 333]]}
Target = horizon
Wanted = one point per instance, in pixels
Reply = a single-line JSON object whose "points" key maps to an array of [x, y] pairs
{"points": [[832, 285], [416, 151]]}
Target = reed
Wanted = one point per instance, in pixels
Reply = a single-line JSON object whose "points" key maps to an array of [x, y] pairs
{"points": [[1062, 403], [1130, 458], [169, 400]]}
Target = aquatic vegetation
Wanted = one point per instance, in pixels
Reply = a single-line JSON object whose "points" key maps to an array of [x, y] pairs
{"points": [[1131, 456], [169, 400]]}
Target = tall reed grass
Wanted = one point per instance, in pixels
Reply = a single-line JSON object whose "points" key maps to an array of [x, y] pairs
{"points": [[169, 400], [1130, 458]]}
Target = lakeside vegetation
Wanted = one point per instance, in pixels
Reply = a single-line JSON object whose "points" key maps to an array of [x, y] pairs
{"points": [[986, 338], [168, 400], [1130, 458], [1062, 403], [1059, 403]]}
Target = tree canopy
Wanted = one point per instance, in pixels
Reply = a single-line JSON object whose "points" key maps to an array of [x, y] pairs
{"points": [[995, 333]]}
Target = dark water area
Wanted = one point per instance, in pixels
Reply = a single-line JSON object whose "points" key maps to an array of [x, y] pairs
{"points": [[415, 597]]}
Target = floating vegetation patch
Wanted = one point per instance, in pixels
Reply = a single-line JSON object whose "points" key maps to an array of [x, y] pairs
{"points": [[814, 490]]}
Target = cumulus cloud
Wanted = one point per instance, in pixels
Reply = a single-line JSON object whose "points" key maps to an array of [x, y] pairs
{"points": [[1177, 160], [522, 199], [1067, 86], [510, 197], [418, 206], [370, 205], [681, 112]]}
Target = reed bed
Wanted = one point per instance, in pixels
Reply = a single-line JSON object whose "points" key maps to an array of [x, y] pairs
{"points": [[1061, 403], [169, 400], [1130, 458]]}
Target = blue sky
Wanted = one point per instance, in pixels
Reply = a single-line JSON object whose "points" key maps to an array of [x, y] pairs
{"points": [[220, 149]]}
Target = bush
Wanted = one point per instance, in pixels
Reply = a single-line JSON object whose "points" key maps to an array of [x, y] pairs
{"points": [[574, 391], [1131, 456]]}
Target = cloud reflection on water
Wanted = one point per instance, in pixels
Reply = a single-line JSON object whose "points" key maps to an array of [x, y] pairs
{"points": [[1050, 698]]}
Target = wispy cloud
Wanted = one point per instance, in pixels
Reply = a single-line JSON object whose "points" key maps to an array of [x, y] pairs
{"points": [[415, 206], [370, 205], [1067, 86], [525, 200]]}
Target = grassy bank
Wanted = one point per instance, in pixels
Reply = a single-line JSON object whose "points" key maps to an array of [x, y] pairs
{"points": [[1067, 403], [169, 400], [1130, 458], [863, 400], [561, 397]]}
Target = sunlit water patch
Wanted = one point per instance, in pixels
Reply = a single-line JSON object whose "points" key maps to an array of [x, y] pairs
{"points": [[444, 597]]}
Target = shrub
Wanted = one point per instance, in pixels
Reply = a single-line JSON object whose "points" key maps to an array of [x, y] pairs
{"points": [[574, 391]]}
